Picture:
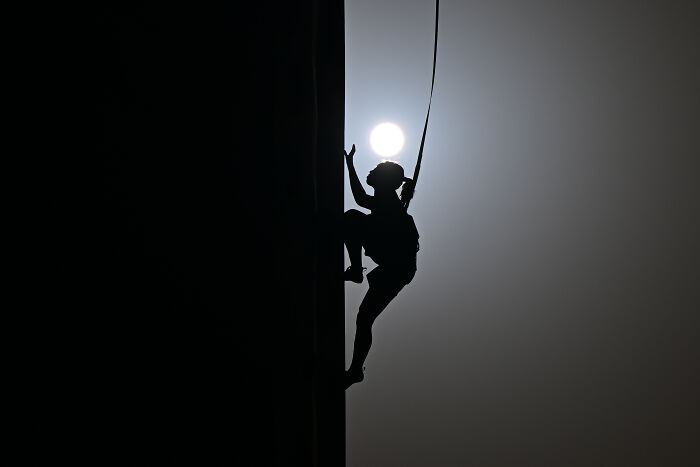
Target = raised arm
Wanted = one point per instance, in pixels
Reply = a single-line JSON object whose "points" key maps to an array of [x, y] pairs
{"points": [[358, 191]]}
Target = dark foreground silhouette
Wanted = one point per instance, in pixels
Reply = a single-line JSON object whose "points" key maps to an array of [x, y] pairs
{"points": [[389, 236]]}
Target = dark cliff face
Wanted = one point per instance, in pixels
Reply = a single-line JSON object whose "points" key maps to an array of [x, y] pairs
{"points": [[192, 255]]}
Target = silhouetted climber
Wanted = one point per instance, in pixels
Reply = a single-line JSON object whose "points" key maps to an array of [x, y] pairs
{"points": [[389, 236]]}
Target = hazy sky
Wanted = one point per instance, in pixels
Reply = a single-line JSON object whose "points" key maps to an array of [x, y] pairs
{"points": [[555, 316]]}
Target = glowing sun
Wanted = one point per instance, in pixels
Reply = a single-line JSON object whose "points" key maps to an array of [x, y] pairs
{"points": [[386, 139]]}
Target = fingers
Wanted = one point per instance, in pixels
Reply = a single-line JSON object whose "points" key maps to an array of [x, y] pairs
{"points": [[352, 151]]}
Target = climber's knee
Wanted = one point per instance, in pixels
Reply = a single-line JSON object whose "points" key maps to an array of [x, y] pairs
{"points": [[365, 319], [353, 216], [368, 312]]}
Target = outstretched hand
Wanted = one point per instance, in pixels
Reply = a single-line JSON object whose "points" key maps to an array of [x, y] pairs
{"points": [[348, 157]]}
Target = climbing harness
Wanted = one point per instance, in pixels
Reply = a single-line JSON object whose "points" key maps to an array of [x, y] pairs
{"points": [[416, 171]]}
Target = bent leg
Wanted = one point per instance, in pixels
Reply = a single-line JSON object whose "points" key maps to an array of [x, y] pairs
{"points": [[375, 301], [354, 223]]}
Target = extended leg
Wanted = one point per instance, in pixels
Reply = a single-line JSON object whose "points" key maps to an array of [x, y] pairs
{"points": [[375, 301]]}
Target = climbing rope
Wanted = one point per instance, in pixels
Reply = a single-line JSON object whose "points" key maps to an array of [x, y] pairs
{"points": [[416, 171]]}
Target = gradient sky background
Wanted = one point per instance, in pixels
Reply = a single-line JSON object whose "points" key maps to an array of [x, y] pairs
{"points": [[555, 316]]}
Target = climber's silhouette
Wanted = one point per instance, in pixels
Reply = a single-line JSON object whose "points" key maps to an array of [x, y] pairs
{"points": [[389, 236]]}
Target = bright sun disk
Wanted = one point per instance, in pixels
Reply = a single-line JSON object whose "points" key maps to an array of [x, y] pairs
{"points": [[386, 139]]}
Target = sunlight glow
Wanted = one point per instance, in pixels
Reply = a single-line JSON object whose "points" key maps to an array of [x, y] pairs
{"points": [[386, 139]]}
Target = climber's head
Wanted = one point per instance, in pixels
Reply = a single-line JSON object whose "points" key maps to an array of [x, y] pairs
{"points": [[386, 176]]}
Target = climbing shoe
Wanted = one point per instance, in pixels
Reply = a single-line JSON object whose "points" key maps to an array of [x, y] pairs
{"points": [[354, 275], [352, 377]]}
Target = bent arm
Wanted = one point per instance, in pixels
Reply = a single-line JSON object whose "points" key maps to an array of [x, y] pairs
{"points": [[358, 191]]}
